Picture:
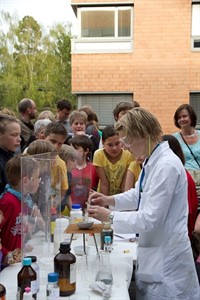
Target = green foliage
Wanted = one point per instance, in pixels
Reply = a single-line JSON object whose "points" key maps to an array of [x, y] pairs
{"points": [[33, 63]]}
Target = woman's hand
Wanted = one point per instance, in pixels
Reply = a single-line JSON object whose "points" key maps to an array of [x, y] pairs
{"points": [[98, 199], [98, 212]]}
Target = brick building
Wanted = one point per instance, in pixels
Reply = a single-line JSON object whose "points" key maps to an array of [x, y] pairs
{"points": [[147, 50]]}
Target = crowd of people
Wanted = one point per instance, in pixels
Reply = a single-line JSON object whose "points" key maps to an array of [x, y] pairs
{"points": [[131, 174]]}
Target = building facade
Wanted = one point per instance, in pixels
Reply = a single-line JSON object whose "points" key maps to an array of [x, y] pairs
{"points": [[147, 50]]}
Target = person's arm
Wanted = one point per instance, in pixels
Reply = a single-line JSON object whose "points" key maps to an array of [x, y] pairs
{"points": [[69, 202], [104, 183], [129, 180], [197, 224]]}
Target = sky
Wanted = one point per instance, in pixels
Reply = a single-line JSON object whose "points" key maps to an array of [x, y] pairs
{"points": [[45, 12]]}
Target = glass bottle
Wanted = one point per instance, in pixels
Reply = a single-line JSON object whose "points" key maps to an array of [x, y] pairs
{"points": [[104, 273], [2, 292], [27, 278], [65, 266], [35, 267], [53, 290], [106, 231], [59, 233]]}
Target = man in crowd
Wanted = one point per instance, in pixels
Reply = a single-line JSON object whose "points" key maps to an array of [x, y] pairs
{"points": [[27, 112]]}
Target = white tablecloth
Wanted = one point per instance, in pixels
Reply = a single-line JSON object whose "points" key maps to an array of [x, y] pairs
{"points": [[121, 259]]}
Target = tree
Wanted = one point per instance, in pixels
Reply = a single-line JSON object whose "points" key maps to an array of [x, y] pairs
{"points": [[34, 64]]}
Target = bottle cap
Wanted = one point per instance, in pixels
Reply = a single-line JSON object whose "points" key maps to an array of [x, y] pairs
{"points": [[27, 289], [52, 277], [107, 239], [65, 246], [33, 258], [76, 206], [27, 261]]}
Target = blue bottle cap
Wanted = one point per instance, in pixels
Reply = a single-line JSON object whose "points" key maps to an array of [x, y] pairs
{"points": [[107, 239], [76, 206], [53, 277], [27, 261]]}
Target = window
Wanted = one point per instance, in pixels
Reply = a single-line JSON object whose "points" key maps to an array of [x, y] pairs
{"points": [[196, 26], [195, 103], [103, 105], [102, 22]]}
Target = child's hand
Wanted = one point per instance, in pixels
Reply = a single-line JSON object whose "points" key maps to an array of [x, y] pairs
{"points": [[17, 255], [13, 257]]}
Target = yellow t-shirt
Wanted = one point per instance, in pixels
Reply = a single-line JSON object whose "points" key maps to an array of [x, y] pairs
{"points": [[135, 168], [114, 172], [59, 174]]}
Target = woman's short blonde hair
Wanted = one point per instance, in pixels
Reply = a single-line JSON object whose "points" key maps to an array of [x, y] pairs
{"points": [[139, 123]]}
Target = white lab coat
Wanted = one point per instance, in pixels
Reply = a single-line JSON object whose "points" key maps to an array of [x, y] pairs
{"points": [[165, 266]]}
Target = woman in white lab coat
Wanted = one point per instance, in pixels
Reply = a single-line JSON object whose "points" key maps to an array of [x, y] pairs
{"points": [[165, 266]]}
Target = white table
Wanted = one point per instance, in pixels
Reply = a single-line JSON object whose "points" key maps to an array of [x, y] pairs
{"points": [[121, 258]]}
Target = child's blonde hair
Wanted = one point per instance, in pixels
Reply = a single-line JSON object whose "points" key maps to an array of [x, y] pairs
{"points": [[39, 147], [6, 120], [67, 152]]}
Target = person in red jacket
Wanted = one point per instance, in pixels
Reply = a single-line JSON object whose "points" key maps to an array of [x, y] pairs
{"points": [[192, 194], [10, 208]]}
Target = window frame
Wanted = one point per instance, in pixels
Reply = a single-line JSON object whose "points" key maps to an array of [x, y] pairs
{"points": [[194, 38], [194, 97], [116, 9], [104, 104]]}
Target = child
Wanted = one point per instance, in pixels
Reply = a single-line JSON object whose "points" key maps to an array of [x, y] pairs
{"points": [[9, 142], [84, 176], [10, 207], [78, 122], [41, 197], [122, 108], [133, 173], [69, 155], [111, 162], [56, 134]]}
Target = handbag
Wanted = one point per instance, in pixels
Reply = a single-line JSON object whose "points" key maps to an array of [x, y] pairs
{"points": [[194, 173]]}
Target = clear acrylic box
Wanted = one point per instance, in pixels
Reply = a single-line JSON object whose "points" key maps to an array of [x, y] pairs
{"points": [[41, 204]]}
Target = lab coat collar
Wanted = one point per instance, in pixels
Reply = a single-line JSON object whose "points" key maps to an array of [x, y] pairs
{"points": [[163, 146]]}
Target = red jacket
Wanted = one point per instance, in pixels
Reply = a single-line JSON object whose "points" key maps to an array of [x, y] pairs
{"points": [[10, 233], [192, 203]]}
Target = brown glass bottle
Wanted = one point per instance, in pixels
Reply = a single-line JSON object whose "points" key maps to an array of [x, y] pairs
{"points": [[2, 292], [27, 278], [65, 266]]}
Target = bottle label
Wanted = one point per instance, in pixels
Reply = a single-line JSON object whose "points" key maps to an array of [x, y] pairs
{"points": [[18, 293], [34, 287], [37, 270], [53, 293], [72, 273], [77, 220]]}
